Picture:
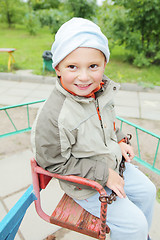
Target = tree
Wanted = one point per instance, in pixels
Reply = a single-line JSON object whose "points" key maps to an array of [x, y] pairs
{"points": [[135, 24], [42, 13], [81, 8], [44, 4], [12, 13], [53, 18]]}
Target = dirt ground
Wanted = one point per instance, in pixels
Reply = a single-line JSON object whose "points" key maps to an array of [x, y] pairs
{"points": [[19, 142]]}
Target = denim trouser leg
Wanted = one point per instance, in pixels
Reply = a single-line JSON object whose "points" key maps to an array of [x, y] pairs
{"points": [[130, 217]]}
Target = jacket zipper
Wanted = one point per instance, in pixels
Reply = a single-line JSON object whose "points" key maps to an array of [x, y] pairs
{"points": [[100, 119]]}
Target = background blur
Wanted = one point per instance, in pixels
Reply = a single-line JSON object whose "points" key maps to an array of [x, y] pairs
{"points": [[132, 28]]}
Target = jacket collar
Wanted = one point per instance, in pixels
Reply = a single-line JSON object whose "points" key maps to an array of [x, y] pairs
{"points": [[108, 89]]}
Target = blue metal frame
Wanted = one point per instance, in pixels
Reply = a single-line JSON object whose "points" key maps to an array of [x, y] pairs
{"points": [[11, 222]]}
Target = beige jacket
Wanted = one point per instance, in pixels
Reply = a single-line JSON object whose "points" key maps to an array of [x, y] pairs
{"points": [[68, 137]]}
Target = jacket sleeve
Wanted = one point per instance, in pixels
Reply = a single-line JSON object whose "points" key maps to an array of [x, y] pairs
{"points": [[120, 135], [47, 139]]}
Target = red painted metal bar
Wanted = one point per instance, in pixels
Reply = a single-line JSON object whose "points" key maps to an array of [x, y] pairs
{"points": [[36, 188], [87, 182], [75, 179]]}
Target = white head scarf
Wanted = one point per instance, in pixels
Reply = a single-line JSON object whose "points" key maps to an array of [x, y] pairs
{"points": [[78, 32]]}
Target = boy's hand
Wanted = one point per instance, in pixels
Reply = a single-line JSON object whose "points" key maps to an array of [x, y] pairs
{"points": [[127, 151], [116, 183]]}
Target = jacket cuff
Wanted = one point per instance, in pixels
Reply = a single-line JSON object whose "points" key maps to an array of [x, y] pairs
{"points": [[126, 139], [120, 135]]}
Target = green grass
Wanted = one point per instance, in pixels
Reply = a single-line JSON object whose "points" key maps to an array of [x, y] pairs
{"points": [[29, 50], [121, 71]]}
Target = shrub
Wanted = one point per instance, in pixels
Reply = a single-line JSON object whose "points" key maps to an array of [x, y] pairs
{"points": [[140, 60], [53, 18], [135, 25], [32, 23]]}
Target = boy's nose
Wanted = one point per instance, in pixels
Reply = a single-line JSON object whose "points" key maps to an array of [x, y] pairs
{"points": [[83, 75]]}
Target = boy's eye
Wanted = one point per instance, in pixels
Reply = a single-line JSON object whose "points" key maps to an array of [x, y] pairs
{"points": [[93, 66], [73, 67]]}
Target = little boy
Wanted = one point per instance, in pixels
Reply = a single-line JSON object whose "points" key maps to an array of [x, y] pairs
{"points": [[75, 132]]}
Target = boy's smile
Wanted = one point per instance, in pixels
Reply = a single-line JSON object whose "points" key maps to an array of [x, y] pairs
{"points": [[82, 70]]}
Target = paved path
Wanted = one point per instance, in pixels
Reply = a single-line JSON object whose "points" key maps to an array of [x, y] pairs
{"points": [[129, 104]]}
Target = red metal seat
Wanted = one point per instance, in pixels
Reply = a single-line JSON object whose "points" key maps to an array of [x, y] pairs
{"points": [[68, 214]]}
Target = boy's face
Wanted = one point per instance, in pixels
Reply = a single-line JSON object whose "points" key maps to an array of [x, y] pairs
{"points": [[82, 70]]}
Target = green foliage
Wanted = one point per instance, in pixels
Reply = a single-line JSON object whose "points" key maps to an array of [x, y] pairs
{"points": [[31, 47], [141, 60], [12, 13], [81, 8], [44, 4], [134, 24], [121, 71], [32, 23], [53, 18], [112, 22], [52, 13]]}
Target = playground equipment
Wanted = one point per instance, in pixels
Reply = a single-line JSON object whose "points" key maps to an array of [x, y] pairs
{"points": [[94, 227], [10, 58], [68, 213]]}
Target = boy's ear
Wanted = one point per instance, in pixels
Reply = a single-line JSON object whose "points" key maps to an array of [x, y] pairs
{"points": [[57, 71]]}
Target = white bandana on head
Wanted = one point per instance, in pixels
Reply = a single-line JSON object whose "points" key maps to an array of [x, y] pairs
{"points": [[78, 32]]}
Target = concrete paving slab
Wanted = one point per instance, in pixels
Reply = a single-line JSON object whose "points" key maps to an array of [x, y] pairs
{"points": [[8, 100], [124, 98], [155, 230], [29, 86], [33, 99], [33, 227], [3, 211], [124, 111], [7, 83], [15, 172], [36, 105], [150, 114], [45, 87], [17, 237], [3, 89], [41, 94], [17, 92], [149, 96], [127, 102], [150, 105]]}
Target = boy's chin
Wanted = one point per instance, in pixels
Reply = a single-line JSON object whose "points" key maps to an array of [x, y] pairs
{"points": [[83, 94]]}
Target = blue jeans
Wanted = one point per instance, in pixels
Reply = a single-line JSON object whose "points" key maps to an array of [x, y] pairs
{"points": [[128, 218]]}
